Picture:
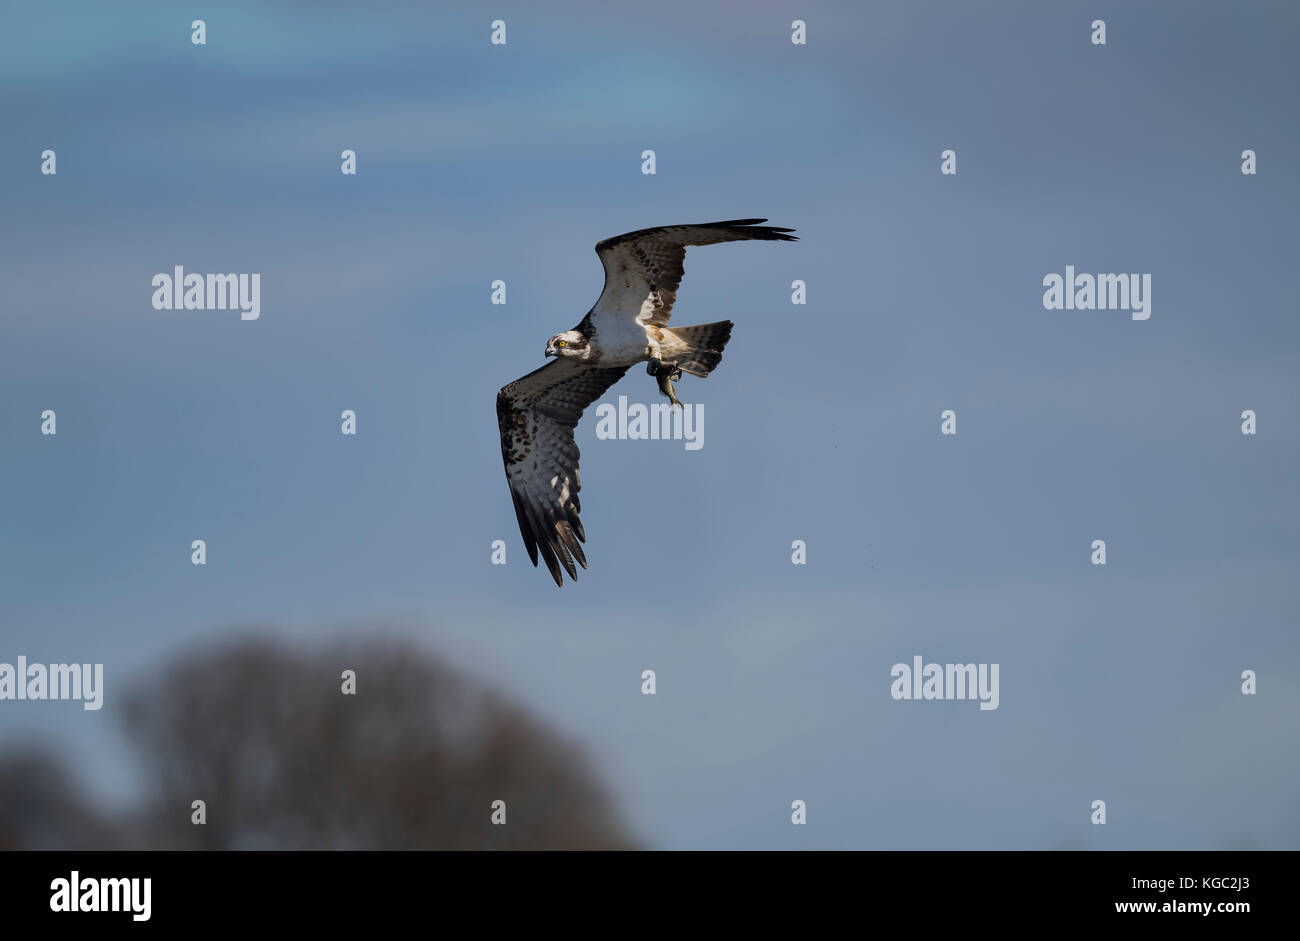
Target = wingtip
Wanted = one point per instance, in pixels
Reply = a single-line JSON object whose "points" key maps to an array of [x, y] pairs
{"points": [[776, 233]]}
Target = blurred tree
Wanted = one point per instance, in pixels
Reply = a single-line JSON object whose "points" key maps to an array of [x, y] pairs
{"points": [[284, 759], [41, 809]]}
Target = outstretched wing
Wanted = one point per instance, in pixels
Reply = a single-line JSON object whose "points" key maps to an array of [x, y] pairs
{"points": [[643, 269], [537, 415]]}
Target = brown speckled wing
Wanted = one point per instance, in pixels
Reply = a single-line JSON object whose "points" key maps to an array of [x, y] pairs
{"points": [[643, 269], [537, 415]]}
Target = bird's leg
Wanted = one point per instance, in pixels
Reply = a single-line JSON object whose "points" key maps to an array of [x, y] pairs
{"points": [[665, 374]]}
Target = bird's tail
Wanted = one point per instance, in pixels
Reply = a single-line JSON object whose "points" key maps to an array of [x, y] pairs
{"points": [[698, 350]]}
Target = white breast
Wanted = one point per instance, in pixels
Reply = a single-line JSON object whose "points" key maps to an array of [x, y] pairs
{"points": [[621, 342]]}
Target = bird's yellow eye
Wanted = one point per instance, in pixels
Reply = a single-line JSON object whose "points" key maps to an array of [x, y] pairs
{"points": [[562, 343]]}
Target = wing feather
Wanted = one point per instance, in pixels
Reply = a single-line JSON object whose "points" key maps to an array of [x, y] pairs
{"points": [[643, 269], [537, 415]]}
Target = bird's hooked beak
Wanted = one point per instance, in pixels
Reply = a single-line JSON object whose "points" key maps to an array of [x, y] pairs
{"points": [[550, 350]]}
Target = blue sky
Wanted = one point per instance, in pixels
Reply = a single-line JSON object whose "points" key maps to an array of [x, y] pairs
{"points": [[478, 162]]}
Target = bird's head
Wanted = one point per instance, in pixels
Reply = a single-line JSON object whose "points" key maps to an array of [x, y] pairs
{"points": [[568, 343]]}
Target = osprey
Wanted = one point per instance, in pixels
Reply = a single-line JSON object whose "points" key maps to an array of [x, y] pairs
{"points": [[629, 324]]}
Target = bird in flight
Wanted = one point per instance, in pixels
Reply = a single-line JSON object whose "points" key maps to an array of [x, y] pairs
{"points": [[538, 413]]}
